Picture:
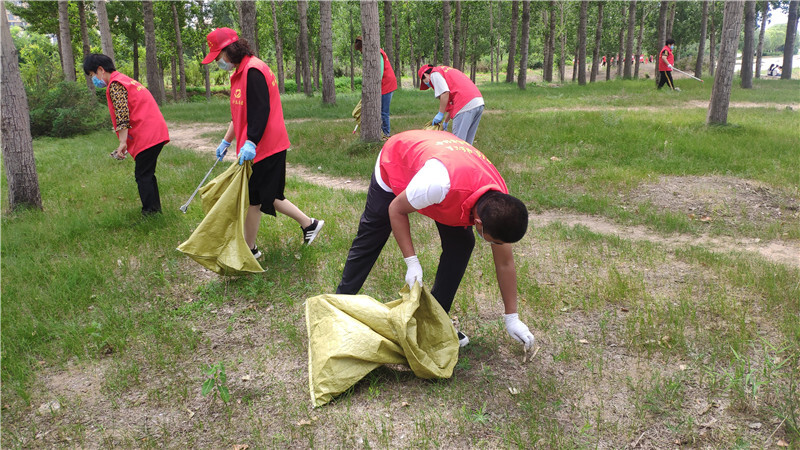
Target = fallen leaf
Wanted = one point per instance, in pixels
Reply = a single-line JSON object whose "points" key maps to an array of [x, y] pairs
{"points": [[691, 216], [623, 309], [782, 443], [583, 341], [191, 413], [404, 404], [241, 447], [555, 158], [682, 367]]}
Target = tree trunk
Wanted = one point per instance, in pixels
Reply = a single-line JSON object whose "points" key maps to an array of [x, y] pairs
{"points": [[712, 41], [106, 42], [445, 33], [582, 42], [749, 39], [179, 51], [629, 43], [136, 54], [760, 48], [551, 43], [562, 56], [436, 43], [523, 47], [67, 57], [723, 81], [701, 46], [512, 42], [598, 40], [315, 63], [278, 49], [352, 55], [326, 50], [414, 79], [671, 21], [302, 17], [462, 55], [661, 36], [398, 63], [87, 48], [371, 73], [155, 82], [23, 181], [608, 67], [457, 63], [621, 51], [639, 38], [207, 79], [173, 75], [298, 65], [575, 63], [491, 42], [387, 29], [247, 20], [788, 47]]}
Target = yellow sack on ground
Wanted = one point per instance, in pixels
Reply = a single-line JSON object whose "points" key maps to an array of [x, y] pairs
{"points": [[218, 242], [351, 335], [357, 113], [431, 127]]}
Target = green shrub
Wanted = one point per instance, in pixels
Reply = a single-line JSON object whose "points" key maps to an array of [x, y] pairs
{"points": [[68, 109]]}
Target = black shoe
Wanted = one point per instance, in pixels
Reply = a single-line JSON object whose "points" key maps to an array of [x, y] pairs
{"points": [[463, 340], [310, 233], [256, 252]]}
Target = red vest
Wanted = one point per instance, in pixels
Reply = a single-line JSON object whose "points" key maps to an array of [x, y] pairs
{"points": [[462, 89], [389, 81], [670, 57], [471, 173], [275, 138], [148, 127]]}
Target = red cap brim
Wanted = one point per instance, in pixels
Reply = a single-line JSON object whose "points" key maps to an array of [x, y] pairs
{"points": [[211, 57]]}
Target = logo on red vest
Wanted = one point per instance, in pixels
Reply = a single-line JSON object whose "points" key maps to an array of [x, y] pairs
{"points": [[237, 93]]}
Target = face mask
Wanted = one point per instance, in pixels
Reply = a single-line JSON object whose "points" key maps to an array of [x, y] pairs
{"points": [[672, 47], [428, 83], [225, 65], [98, 82]]}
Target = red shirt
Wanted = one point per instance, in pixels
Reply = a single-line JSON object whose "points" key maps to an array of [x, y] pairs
{"points": [[670, 57], [471, 173], [275, 138], [389, 81], [147, 125], [462, 89]]}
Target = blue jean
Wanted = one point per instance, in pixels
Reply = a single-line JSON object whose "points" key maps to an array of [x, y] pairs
{"points": [[465, 124], [386, 100]]}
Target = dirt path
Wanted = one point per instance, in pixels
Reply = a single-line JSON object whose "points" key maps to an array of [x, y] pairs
{"points": [[189, 136]]}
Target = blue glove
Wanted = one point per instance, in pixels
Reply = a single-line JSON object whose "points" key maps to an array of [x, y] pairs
{"points": [[247, 152], [438, 118], [444, 126], [223, 147]]}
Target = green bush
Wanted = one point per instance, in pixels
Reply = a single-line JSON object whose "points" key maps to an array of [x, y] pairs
{"points": [[68, 109]]}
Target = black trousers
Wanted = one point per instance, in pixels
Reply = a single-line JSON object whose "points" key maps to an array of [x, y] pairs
{"points": [[145, 174], [374, 229], [666, 77]]}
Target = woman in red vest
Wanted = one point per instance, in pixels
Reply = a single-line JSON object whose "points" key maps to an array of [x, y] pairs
{"points": [[665, 61], [454, 184], [260, 132], [458, 96], [388, 86], [138, 122]]}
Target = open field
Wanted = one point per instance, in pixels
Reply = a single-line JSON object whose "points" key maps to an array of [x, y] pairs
{"points": [[660, 276]]}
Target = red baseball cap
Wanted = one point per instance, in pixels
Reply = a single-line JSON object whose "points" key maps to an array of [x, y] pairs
{"points": [[420, 72], [217, 41]]}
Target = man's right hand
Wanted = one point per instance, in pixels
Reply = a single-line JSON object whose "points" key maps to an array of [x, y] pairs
{"points": [[223, 147], [670, 66], [438, 118], [414, 272]]}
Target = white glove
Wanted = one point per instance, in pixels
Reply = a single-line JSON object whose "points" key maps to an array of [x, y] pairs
{"points": [[414, 272], [518, 330], [670, 66]]}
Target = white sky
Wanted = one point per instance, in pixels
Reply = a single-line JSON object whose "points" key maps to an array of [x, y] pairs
{"points": [[777, 17]]}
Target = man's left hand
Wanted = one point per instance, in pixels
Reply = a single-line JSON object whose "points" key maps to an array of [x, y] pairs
{"points": [[518, 330]]}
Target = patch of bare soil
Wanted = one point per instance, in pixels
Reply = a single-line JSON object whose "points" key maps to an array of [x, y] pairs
{"points": [[688, 104]]}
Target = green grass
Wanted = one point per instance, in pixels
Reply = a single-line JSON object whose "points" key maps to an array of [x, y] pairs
{"points": [[634, 334]]}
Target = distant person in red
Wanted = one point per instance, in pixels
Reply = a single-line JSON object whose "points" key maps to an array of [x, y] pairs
{"points": [[388, 86], [138, 122], [665, 61], [604, 61]]}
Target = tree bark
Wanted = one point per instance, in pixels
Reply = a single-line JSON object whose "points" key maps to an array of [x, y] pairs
{"points": [[398, 63], [551, 43], [749, 39], [155, 82], [67, 57], [562, 56], [85, 40], [661, 36], [621, 51], [371, 73], [712, 41], [247, 20], [302, 17], [173, 75], [350, 46], [701, 46], [179, 51], [598, 40], [638, 53], [629, 43], [760, 48], [491, 43], [15, 127], [723, 81], [446, 33], [582, 43], [788, 47], [522, 78], [387, 29], [457, 55], [512, 42], [106, 42], [671, 21], [414, 79], [326, 50]]}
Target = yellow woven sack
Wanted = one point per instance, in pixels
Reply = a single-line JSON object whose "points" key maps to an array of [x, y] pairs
{"points": [[430, 127]]}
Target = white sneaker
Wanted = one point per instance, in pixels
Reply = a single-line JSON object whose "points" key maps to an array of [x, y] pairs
{"points": [[256, 252], [463, 340], [310, 233]]}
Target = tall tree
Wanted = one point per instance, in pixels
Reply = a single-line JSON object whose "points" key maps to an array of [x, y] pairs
{"points": [[551, 43], [87, 48], [562, 56], [723, 80], [106, 42], [445, 32], [371, 72], [673, 6], [302, 49], [661, 34], [582, 42], [326, 50], [701, 46], [760, 48], [525, 40], [397, 63], [155, 82], [387, 28], [278, 49], [788, 46], [350, 46], [248, 22], [749, 39], [621, 50], [638, 54], [414, 79], [67, 57], [712, 40], [598, 40], [512, 42], [629, 43], [491, 43], [457, 55], [179, 51], [23, 181]]}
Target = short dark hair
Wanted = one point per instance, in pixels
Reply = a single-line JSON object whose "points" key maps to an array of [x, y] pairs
{"points": [[504, 217], [236, 51], [95, 60], [357, 44], [670, 41]]}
